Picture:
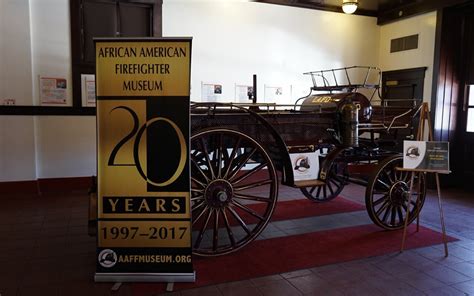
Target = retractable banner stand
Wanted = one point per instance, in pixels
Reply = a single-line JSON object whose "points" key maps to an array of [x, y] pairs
{"points": [[144, 227]]}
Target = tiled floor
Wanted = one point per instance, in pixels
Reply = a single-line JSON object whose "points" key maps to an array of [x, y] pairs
{"points": [[45, 250]]}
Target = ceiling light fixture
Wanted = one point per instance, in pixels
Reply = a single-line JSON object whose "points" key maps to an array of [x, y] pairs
{"points": [[349, 6]]}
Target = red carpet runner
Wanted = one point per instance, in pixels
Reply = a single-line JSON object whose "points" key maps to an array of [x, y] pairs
{"points": [[302, 208], [278, 255], [284, 254], [299, 208]]}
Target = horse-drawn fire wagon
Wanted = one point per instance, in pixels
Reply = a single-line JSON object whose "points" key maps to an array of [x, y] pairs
{"points": [[240, 153]]}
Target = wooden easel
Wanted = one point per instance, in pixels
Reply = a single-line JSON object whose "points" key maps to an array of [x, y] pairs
{"points": [[425, 118]]}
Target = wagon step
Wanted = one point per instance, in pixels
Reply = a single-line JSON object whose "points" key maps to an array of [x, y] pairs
{"points": [[309, 183]]}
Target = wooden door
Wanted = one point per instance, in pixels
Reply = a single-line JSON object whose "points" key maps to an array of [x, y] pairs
{"points": [[465, 128], [466, 132], [453, 103], [403, 88]]}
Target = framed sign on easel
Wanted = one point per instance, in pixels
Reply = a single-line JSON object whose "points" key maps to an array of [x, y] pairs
{"points": [[421, 157]]}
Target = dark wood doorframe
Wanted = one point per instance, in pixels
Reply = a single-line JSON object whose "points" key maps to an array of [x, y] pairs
{"points": [[403, 88], [450, 73], [412, 76], [80, 36], [466, 139]]}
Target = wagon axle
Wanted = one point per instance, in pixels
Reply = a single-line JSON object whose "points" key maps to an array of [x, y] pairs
{"points": [[399, 193], [218, 193]]}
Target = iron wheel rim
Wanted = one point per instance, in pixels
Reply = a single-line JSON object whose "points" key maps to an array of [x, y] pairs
{"points": [[387, 194], [228, 210]]}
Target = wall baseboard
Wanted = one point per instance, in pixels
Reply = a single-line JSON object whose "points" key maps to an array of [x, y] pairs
{"points": [[19, 187], [47, 185]]}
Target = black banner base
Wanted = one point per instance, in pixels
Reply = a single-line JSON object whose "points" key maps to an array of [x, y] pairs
{"points": [[145, 277]]}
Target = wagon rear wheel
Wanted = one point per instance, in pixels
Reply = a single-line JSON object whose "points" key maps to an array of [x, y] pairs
{"points": [[386, 196], [335, 179], [234, 191]]}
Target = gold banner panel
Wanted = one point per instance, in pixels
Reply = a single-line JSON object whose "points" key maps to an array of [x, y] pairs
{"points": [[143, 68], [116, 165], [161, 205], [142, 89], [145, 234]]}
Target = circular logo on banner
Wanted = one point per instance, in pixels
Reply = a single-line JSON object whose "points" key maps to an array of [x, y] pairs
{"points": [[107, 258], [302, 163]]}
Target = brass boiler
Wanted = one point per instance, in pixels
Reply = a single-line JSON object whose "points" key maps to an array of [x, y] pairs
{"points": [[349, 125], [351, 108]]}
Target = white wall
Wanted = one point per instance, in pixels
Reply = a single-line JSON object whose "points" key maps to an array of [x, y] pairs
{"points": [[423, 56], [15, 52], [66, 146], [51, 43], [36, 41], [17, 147], [233, 40]]}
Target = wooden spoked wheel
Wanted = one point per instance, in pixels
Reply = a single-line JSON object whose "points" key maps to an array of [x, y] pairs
{"points": [[234, 189], [335, 180], [387, 193]]}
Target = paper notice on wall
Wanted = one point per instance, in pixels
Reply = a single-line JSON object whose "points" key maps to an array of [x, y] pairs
{"points": [[9, 102], [299, 90], [88, 90], [276, 94], [211, 92], [53, 91], [243, 93]]}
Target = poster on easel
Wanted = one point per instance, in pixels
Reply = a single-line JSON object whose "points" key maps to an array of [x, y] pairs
{"points": [[426, 155], [143, 98]]}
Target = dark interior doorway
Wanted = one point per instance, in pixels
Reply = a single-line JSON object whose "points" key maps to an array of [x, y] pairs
{"points": [[465, 127], [453, 103], [403, 88]]}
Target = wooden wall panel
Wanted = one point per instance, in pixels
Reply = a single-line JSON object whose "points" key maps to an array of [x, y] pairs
{"points": [[452, 71], [447, 94]]}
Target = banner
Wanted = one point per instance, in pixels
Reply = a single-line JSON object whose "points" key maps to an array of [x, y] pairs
{"points": [[144, 227]]}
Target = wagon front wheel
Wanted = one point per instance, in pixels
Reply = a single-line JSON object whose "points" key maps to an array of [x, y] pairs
{"points": [[387, 194], [234, 189]]}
